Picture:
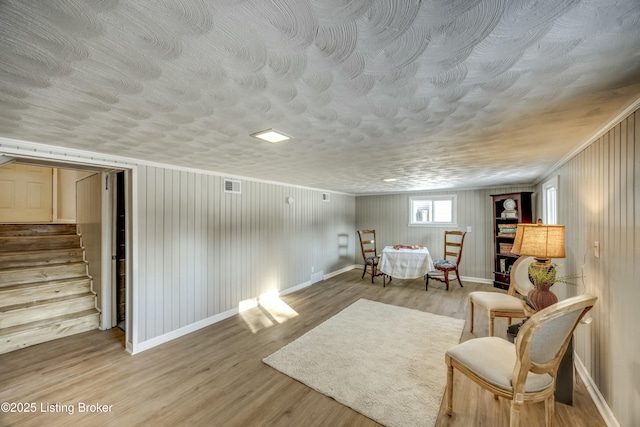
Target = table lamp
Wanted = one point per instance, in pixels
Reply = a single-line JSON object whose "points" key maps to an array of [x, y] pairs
{"points": [[542, 242]]}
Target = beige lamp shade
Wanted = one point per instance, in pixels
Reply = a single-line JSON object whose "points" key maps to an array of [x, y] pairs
{"points": [[540, 241]]}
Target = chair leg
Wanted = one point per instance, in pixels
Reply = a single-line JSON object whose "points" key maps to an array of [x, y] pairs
{"points": [[458, 276], [364, 271], [514, 418], [446, 278], [426, 283], [471, 311], [449, 389], [549, 411], [492, 318]]}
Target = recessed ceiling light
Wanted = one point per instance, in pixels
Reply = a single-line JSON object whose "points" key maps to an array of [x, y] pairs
{"points": [[271, 135], [389, 179]]}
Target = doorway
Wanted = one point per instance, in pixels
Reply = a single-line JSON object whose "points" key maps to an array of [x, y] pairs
{"points": [[105, 235], [120, 252]]}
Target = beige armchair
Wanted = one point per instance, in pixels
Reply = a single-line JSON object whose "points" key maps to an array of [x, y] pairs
{"points": [[498, 304], [524, 372]]}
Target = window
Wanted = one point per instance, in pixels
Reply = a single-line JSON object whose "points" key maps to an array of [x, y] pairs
{"points": [[433, 210], [550, 201]]}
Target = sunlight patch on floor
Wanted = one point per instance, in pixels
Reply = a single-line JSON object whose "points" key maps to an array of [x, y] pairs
{"points": [[266, 311]]}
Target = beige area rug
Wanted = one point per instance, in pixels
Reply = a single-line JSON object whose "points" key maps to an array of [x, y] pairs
{"points": [[384, 361]]}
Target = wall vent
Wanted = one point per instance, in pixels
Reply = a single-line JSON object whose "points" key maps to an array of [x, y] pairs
{"points": [[317, 277], [231, 186], [325, 197]]}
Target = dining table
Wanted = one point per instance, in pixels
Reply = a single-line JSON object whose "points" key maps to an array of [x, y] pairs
{"points": [[405, 262]]}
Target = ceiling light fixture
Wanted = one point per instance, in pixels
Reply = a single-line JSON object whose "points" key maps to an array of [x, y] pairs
{"points": [[389, 179], [271, 135]]}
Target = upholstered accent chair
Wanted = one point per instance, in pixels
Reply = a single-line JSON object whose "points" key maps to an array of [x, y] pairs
{"points": [[453, 243], [524, 372], [499, 304]]}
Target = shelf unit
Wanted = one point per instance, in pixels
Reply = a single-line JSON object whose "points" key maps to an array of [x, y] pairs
{"points": [[504, 225]]}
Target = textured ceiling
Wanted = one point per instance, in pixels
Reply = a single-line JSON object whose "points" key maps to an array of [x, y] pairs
{"points": [[437, 94]]}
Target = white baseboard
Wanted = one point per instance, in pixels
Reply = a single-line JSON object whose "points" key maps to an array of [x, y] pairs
{"points": [[344, 270], [477, 280], [295, 288], [594, 392], [177, 333]]}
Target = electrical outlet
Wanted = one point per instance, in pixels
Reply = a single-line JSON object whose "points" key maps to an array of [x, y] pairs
{"points": [[596, 249], [468, 229], [313, 269]]}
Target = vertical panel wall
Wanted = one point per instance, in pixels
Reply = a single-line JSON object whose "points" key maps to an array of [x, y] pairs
{"points": [[89, 213], [202, 251], [599, 201], [389, 216]]}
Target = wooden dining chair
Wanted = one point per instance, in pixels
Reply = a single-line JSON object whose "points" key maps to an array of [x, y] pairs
{"points": [[369, 252], [499, 304], [453, 243], [524, 372]]}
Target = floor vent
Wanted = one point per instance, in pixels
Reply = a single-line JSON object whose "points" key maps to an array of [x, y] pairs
{"points": [[325, 197], [231, 186]]}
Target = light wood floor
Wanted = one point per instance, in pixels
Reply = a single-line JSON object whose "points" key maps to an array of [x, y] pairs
{"points": [[215, 376]]}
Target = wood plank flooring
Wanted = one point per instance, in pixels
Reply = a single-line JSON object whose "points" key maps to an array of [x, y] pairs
{"points": [[215, 376]]}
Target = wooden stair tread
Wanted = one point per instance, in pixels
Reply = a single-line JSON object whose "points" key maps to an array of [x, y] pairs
{"points": [[33, 229], [45, 266], [43, 237], [14, 276], [40, 255], [40, 324], [42, 302], [40, 251], [43, 284], [27, 243]]}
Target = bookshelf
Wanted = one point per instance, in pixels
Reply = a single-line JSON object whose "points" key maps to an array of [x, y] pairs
{"points": [[509, 210]]}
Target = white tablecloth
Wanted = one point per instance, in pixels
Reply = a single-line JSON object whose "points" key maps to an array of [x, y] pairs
{"points": [[405, 263]]}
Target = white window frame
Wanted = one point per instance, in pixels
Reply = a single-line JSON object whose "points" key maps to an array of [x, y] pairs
{"points": [[454, 211], [550, 201]]}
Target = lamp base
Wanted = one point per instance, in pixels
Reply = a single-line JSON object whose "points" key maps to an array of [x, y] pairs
{"points": [[543, 275], [542, 297]]}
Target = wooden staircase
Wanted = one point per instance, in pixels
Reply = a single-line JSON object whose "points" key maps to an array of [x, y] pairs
{"points": [[45, 288]]}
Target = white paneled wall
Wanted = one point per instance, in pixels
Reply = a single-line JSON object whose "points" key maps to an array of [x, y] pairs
{"points": [[389, 216], [202, 251], [89, 220], [599, 200]]}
